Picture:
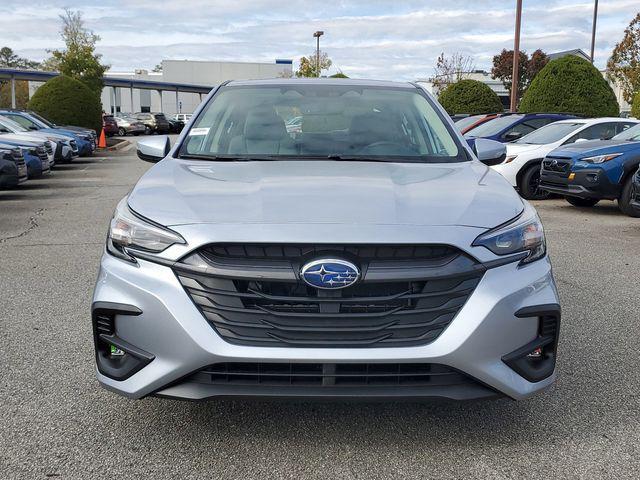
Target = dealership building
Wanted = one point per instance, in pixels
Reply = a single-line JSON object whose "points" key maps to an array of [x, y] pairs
{"points": [[181, 84]]}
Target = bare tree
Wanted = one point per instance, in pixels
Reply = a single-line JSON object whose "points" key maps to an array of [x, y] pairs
{"points": [[450, 69]]}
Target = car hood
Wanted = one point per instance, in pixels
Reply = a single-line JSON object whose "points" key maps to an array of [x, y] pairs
{"points": [[596, 147], [177, 192], [520, 148], [23, 139], [62, 134]]}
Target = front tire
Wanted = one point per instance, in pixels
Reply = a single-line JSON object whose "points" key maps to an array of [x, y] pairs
{"points": [[582, 202], [530, 184], [624, 202], [147, 130], [122, 132]]}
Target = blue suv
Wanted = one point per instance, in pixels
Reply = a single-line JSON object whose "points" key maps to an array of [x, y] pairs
{"points": [[590, 171], [508, 127]]}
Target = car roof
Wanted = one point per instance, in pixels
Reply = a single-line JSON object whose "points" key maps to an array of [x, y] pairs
{"points": [[322, 81], [595, 121]]}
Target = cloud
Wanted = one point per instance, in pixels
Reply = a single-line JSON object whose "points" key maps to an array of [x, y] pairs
{"points": [[379, 39]]}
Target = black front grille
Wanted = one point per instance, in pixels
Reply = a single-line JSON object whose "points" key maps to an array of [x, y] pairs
{"points": [[558, 165], [104, 324], [48, 148], [331, 375], [74, 145], [393, 305]]}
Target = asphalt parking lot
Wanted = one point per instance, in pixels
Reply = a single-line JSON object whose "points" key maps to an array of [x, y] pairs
{"points": [[57, 422]]}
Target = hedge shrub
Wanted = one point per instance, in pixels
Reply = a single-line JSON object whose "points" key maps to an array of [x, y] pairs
{"points": [[67, 101], [635, 106], [469, 96], [573, 85]]}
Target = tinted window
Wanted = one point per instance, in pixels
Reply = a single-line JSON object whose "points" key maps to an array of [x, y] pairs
{"points": [[601, 131], [24, 121], [632, 134], [493, 127], [335, 121], [550, 133]]}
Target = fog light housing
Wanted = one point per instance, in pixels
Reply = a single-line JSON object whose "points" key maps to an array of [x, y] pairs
{"points": [[536, 360], [115, 358]]}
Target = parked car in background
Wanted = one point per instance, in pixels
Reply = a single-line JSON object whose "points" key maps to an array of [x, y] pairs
{"points": [[468, 123], [175, 126], [129, 126], [154, 122], [521, 166], [88, 134], [13, 169], [508, 127], [34, 154], [9, 130], [183, 117], [587, 172], [79, 144], [109, 125]]}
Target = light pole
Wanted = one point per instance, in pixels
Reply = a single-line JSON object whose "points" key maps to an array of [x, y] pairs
{"points": [[593, 29], [516, 59], [317, 36]]}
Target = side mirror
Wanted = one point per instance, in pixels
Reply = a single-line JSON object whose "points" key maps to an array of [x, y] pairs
{"points": [[512, 136], [489, 152], [154, 149], [34, 128]]}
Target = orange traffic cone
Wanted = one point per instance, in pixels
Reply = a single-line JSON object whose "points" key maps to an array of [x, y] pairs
{"points": [[102, 143]]}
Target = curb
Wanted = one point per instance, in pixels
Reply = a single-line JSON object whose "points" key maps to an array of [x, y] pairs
{"points": [[118, 146]]}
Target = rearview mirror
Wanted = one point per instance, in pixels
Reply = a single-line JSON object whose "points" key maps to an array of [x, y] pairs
{"points": [[154, 149], [489, 152]]}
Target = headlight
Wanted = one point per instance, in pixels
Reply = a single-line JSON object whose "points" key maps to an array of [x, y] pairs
{"points": [[523, 235], [128, 230], [510, 158], [601, 158]]}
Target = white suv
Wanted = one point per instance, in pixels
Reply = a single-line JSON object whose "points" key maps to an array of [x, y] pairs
{"points": [[521, 166]]}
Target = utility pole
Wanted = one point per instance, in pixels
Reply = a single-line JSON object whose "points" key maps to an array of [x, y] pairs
{"points": [[593, 30], [516, 58], [317, 36]]}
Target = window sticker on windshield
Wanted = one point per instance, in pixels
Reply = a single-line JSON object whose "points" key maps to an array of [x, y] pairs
{"points": [[196, 132]]}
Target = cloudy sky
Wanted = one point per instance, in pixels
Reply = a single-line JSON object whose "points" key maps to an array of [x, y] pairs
{"points": [[365, 38]]}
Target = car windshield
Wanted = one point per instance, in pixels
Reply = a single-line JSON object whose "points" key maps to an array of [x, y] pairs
{"points": [[468, 121], [11, 125], [41, 119], [550, 133], [630, 135], [493, 127], [349, 122]]}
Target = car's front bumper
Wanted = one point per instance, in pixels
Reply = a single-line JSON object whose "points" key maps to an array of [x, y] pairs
{"points": [[177, 341], [587, 183]]}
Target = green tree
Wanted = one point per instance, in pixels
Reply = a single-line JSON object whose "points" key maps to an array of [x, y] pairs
{"points": [[79, 59], [309, 65], [635, 106], [338, 75], [67, 101], [623, 66], [10, 60], [469, 96], [573, 85]]}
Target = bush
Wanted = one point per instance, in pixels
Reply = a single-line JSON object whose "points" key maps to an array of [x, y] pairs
{"points": [[469, 96], [572, 85], [67, 101], [635, 106]]}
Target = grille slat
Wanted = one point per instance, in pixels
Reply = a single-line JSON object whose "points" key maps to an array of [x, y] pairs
{"points": [[382, 312], [330, 375]]}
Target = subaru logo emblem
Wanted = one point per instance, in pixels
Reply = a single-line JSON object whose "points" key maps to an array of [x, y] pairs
{"points": [[330, 274], [554, 162]]}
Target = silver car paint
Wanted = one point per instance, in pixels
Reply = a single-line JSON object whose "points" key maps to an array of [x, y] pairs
{"points": [[174, 330]]}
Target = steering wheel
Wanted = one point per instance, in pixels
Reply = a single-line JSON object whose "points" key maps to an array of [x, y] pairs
{"points": [[396, 149]]}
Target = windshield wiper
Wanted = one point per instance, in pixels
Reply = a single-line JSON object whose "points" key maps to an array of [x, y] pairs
{"points": [[228, 158]]}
